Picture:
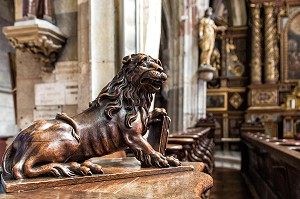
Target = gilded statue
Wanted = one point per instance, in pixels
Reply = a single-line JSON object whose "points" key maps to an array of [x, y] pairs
{"points": [[118, 118], [216, 62], [41, 9], [235, 67], [207, 35]]}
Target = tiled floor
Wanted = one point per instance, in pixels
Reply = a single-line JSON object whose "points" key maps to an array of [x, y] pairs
{"points": [[228, 181], [228, 159]]}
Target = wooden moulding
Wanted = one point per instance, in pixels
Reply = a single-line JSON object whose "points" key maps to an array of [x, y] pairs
{"points": [[113, 169]]}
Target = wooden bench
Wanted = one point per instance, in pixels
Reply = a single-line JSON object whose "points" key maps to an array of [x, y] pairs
{"points": [[197, 144]]}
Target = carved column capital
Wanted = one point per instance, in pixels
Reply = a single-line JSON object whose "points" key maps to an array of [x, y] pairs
{"points": [[38, 37]]}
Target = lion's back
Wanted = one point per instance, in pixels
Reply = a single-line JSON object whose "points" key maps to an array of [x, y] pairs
{"points": [[45, 130]]}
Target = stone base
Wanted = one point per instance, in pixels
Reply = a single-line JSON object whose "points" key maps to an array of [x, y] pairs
{"points": [[113, 169]]}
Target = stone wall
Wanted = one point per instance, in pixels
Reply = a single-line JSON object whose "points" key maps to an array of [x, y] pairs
{"points": [[66, 72], [7, 112]]}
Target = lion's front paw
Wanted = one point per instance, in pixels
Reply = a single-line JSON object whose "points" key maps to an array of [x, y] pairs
{"points": [[158, 160], [156, 114], [173, 161], [158, 111]]}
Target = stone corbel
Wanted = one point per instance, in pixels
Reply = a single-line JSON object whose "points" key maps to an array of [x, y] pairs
{"points": [[38, 37], [206, 72]]}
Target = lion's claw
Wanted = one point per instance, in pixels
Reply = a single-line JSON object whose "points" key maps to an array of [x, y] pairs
{"points": [[158, 160], [173, 161], [95, 168]]}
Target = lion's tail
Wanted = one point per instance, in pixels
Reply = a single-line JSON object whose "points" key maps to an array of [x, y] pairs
{"points": [[8, 159]]}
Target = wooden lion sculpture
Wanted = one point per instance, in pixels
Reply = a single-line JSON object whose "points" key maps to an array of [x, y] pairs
{"points": [[116, 119]]}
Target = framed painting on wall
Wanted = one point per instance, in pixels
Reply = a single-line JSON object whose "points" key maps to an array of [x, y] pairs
{"points": [[216, 101], [291, 49]]}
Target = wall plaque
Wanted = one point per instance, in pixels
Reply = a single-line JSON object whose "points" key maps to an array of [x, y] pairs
{"points": [[49, 94], [65, 93]]}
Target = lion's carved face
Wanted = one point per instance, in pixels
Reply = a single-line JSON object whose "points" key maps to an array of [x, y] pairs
{"points": [[144, 72], [132, 88]]}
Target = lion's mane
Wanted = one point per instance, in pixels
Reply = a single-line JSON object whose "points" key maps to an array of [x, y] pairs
{"points": [[121, 93]]}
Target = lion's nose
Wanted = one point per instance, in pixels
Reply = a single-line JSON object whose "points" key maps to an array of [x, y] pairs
{"points": [[163, 76]]}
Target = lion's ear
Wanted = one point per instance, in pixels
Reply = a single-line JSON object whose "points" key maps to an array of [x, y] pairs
{"points": [[126, 59]]}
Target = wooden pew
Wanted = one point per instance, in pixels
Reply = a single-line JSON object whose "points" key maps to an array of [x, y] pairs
{"points": [[197, 144]]}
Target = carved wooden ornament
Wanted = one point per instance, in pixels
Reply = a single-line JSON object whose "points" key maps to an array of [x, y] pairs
{"points": [[116, 119]]}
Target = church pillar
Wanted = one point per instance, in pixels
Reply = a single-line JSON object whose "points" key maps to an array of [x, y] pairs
{"points": [[96, 48], [270, 77], [256, 44]]}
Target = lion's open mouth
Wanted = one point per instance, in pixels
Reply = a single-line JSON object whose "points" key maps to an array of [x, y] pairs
{"points": [[155, 84], [153, 79]]}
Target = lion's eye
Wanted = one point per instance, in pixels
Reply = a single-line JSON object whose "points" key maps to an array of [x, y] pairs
{"points": [[159, 62], [159, 69]]}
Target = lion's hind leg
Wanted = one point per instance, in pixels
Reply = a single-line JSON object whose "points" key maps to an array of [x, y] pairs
{"points": [[61, 169], [55, 169], [27, 167]]}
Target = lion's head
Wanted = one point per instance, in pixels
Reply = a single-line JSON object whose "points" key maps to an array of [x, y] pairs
{"points": [[144, 72], [132, 88]]}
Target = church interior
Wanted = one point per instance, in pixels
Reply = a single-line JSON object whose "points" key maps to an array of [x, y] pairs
{"points": [[228, 101]]}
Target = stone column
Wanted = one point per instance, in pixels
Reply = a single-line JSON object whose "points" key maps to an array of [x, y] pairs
{"points": [[128, 28], [270, 77], [84, 79], [256, 44], [102, 44], [190, 63], [202, 92], [96, 48]]}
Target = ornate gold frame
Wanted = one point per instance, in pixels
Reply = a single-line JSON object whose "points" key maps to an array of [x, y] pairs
{"points": [[284, 47], [225, 101]]}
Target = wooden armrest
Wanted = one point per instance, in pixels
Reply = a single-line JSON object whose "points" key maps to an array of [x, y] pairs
{"points": [[174, 147], [180, 140], [195, 137], [230, 139]]}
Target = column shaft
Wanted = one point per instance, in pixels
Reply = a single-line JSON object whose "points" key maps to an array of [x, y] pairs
{"points": [[269, 44], [256, 44]]}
